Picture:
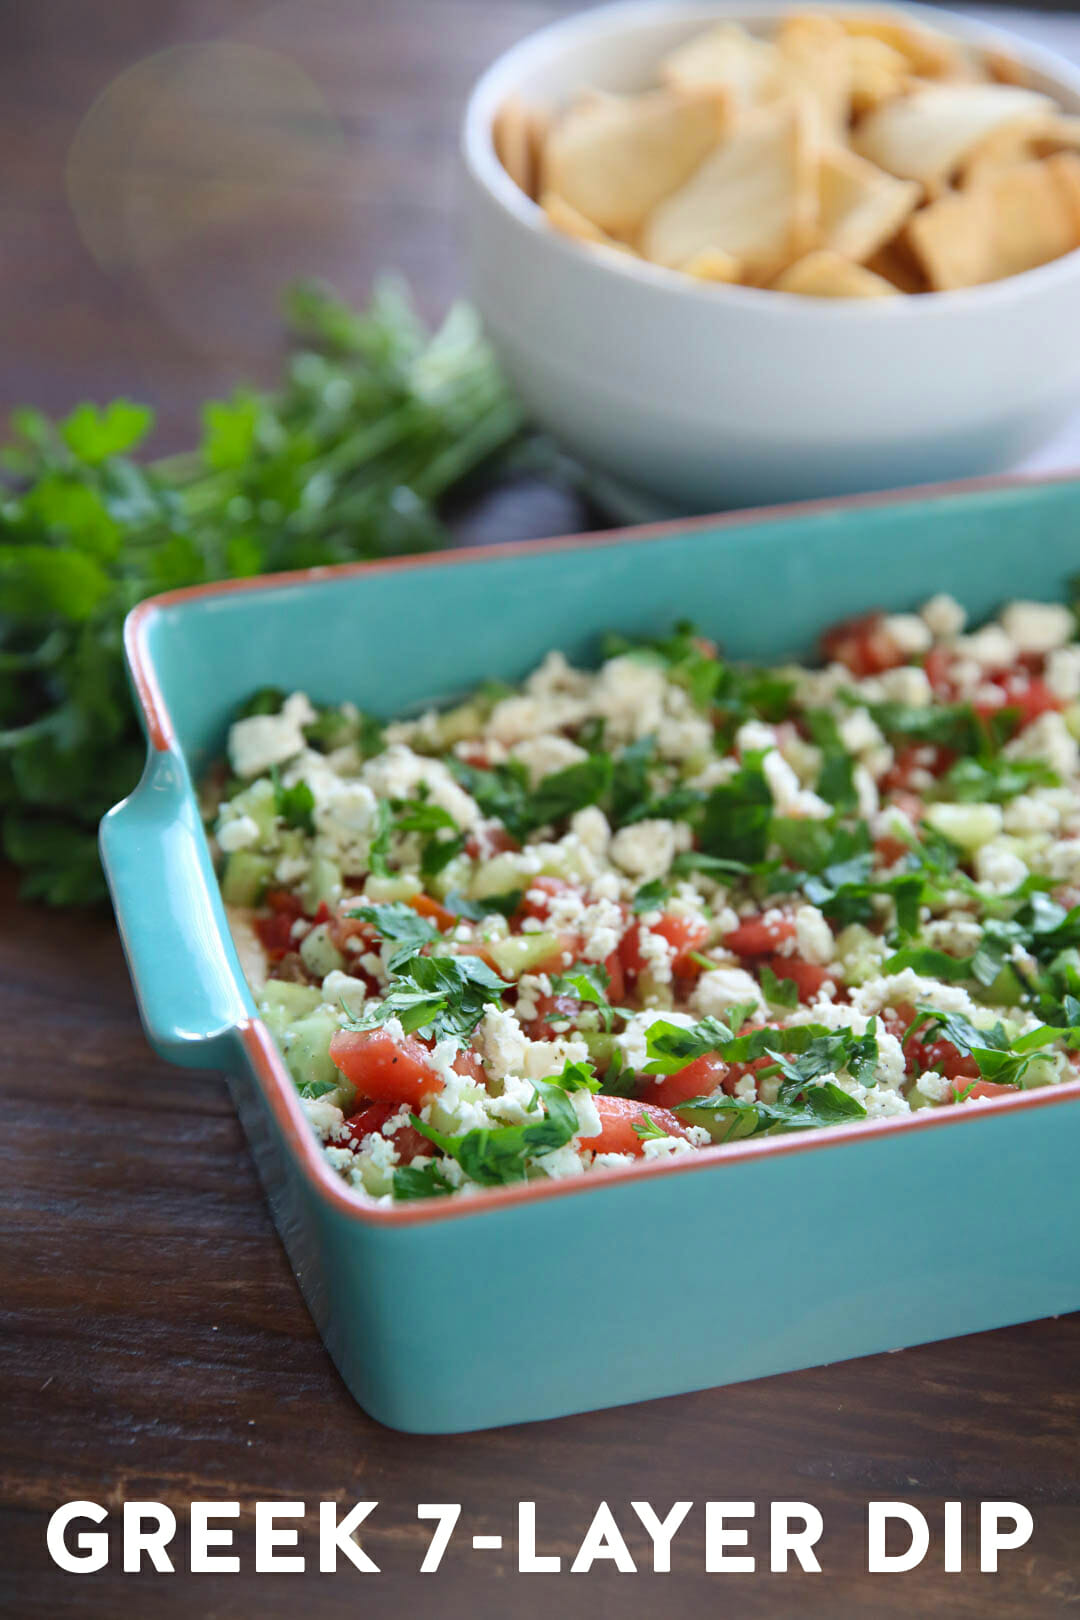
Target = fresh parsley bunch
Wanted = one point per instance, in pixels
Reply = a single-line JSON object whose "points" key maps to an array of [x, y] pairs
{"points": [[376, 420]]}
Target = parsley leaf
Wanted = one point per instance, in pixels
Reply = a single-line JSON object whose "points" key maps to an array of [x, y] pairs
{"points": [[563, 792], [375, 420], [497, 1155], [646, 1128], [994, 780], [437, 997], [782, 993], [401, 923], [504, 905], [737, 814], [650, 897], [378, 854], [588, 981], [295, 805], [420, 1181]]}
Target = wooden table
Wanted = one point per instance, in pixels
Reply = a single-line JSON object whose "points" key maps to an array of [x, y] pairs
{"points": [[155, 1345]]}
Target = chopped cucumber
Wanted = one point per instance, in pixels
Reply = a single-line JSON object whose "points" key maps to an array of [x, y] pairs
{"points": [[283, 1001], [860, 953], [497, 876], [305, 1046], [319, 953], [653, 992], [323, 883], [522, 953], [400, 886], [722, 1127], [969, 825], [245, 877]]}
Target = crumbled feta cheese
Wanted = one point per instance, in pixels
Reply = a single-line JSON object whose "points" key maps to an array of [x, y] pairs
{"points": [[909, 987], [722, 988], [601, 930], [908, 685], [555, 678], [629, 695], [859, 733], [502, 1043], [813, 937], [632, 1041], [789, 798], [665, 1147], [909, 632], [1034, 812], [546, 1058], [657, 955], [397, 773], [324, 1117], [515, 718], [998, 867], [239, 833], [646, 849], [755, 737], [934, 1087], [588, 1117], [590, 827], [944, 617], [1038, 627], [262, 741], [342, 989], [1048, 739], [990, 647], [544, 755], [560, 1162], [1063, 673]]}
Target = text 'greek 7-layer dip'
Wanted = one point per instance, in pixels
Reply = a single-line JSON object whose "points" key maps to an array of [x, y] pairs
{"points": [[623, 914]]}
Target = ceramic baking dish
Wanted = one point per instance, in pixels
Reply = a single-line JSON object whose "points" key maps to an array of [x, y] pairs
{"points": [[540, 1300]]}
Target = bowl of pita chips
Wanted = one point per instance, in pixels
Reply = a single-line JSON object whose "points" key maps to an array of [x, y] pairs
{"points": [[736, 256]]}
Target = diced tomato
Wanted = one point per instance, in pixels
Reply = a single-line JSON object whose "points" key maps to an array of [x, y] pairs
{"points": [[383, 1069], [489, 840], [617, 1117], [863, 644], [698, 1079], [406, 1138], [938, 666], [1027, 693], [616, 989], [285, 902], [889, 849], [537, 899], [275, 933], [469, 1064], [807, 977], [920, 1055], [343, 929], [562, 1006], [683, 934], [981, 1088], [760, 935], [943, 1057], [439, 915], [913, 758]]}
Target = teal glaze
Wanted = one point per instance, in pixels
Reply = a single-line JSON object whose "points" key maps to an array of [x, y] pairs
{"points": [[543, 1307]]}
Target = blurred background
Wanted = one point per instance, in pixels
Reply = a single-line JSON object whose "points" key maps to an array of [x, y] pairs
{"points": [[169, 165]]}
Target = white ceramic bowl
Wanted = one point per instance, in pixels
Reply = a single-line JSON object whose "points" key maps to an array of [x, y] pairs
{"points": [[720, 396]]}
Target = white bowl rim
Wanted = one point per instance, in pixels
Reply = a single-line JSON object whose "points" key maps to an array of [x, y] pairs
{"points": [[484, 167]]}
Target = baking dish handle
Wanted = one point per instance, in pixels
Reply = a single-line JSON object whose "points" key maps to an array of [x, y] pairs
{"points": [[171, 921]]}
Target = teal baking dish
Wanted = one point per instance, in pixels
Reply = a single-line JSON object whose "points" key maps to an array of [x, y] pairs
{"points": [[536, 1301]]}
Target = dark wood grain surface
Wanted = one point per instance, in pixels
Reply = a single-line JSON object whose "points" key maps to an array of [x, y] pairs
{"points": [[154, 1345]]}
